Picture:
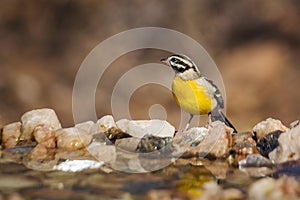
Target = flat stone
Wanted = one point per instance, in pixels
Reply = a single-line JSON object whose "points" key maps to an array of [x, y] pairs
{"points": [[102, 152], [268, 126], [32, 119], [106, 122], [140, 128], [191, 137], [45, 135], [10, 134], [72, 138], [289, 146]]}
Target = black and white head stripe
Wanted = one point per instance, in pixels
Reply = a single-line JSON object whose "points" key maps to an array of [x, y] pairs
{"points": [[181, 63]]}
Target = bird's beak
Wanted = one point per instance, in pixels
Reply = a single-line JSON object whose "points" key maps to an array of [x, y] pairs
{"points": [[165, 61]]}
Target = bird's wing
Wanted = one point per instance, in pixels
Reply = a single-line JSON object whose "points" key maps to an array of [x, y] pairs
{"points": [[212, 90]]}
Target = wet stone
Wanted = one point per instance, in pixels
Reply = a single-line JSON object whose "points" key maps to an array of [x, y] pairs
{"points": [[268, 126], [152, 143], [72, 138], [32, 119], [105, 123], [241, 150], [268, 143], [255, 160], [45, 135], [10, 134], [115, 133], [289, 146], [244, 137], [256, 166]]}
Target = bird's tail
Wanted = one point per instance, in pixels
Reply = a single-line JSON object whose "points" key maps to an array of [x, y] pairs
{"points": [[219, 116]]}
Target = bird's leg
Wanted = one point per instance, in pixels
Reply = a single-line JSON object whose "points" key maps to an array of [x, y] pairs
{"points": [[188, 124]]}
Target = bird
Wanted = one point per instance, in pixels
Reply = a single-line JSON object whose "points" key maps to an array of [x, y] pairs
{"points": [[195, 93]]}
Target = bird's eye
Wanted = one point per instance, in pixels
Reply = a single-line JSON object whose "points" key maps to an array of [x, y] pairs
{"points": [[174, 60]]}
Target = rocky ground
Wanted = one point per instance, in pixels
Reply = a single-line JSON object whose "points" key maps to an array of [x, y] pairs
{"points": [[208, 162]]}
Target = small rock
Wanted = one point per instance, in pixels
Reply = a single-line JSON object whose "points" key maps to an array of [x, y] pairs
{"points": [[255, 160], [106, 122], [268, 126], [115, 133], [102, 152], [78, 165], [216, 143], [45, 135], [256, 166], [152, 143], [140, 128], [10, 134], [72, 138], [276, 189], [268, 143], [128, 144], [191, 137], [241, 150], [86, 126], [244, 137], [289, 146], [32, 119]]}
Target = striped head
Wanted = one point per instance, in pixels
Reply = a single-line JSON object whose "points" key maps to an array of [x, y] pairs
{"points": [[183, 66]]}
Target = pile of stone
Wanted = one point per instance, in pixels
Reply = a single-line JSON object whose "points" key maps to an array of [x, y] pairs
{"points": [[145, 145]]}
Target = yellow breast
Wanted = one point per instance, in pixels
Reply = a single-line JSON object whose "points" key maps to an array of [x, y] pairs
{"points": [[191, 96]]}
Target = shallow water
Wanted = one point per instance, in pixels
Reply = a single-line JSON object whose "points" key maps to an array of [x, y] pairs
{"points": [[183, 182]]}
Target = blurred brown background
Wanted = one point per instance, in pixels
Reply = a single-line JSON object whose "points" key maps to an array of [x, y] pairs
{"points": [[255, 44]]}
